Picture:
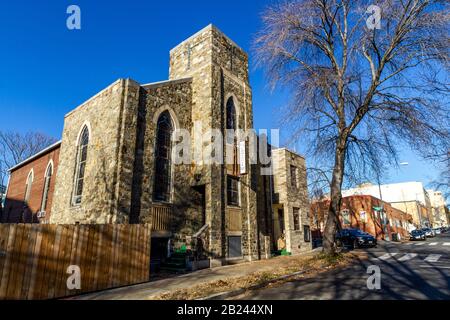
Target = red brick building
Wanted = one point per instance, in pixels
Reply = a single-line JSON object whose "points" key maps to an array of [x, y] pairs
{"points": [[363, 212], [30, 189]]}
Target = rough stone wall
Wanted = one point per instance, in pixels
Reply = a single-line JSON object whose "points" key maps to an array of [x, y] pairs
{"points": [[175, 96], [193, 58], [110, 116], [292, 197], [230, 69], [264, 213], [219, 69], [126, 151]]}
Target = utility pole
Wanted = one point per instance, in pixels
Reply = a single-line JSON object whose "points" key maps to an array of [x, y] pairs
{"points": [[419, 213], [383, 215]]}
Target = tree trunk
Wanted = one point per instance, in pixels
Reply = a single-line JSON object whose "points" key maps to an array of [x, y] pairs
{"points": [[333, 223]]}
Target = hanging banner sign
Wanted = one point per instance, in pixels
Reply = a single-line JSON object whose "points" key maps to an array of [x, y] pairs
{"points": [[242, 158]]}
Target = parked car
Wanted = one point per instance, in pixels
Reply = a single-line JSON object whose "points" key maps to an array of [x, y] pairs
{"points": [[417, 235], [437, 231], [355, 238], [429, 232]]}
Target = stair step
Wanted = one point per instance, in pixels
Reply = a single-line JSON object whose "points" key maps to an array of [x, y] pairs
{"points": [[173, 270], [174, 264]]}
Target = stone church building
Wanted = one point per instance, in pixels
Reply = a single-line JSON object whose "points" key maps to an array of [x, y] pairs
{"points": [[115, 162]]}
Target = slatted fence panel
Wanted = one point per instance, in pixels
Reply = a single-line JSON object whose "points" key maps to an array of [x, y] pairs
{"points": [[34, 258]]}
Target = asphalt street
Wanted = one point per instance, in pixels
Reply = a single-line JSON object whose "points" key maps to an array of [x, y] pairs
{"points": [[413, 270]]}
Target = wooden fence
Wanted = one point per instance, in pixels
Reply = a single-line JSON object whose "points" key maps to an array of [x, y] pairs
{"points": [[34, 259]]}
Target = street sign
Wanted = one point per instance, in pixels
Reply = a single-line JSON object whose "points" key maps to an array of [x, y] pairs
{"points": [[377, 208]]}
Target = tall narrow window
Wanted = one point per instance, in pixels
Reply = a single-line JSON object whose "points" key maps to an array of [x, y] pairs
{"points": [[232, 191], [363, 216], [48, 178], [296, 212], [163, 164], [281, 220], [231, 115], [81, 165], [231, 139], [346, 217], [294, 177], [306, 233], [28, 187]]}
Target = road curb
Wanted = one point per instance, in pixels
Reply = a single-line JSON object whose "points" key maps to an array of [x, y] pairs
{"points": [[233, 293]]}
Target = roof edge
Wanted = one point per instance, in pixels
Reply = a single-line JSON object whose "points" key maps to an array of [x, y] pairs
{"points": [[208, 27], [293, 152], [165, 82], [37, 155], [93, 97]]}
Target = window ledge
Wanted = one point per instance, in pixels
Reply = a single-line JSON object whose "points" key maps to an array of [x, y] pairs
{"points": [[162, 203]]}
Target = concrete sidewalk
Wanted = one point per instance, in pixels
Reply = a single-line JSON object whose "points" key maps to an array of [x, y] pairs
{"points": [[150, 290]]}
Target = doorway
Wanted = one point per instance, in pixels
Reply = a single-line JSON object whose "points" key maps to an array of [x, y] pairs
{"points": [[281, 221], [279, 229]]}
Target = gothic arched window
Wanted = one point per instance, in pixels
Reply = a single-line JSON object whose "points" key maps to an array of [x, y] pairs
{"points": [[47, 181], [163, 150], [231, 115], [28, 187], [82, 153], [232, 154]]}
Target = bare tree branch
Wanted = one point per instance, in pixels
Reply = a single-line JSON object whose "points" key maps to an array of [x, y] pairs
{"points": [[16, 147], [359, 94]]}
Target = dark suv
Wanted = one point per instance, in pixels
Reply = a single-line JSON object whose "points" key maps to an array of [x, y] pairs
{"points": [[356, 238], [417, 235]]}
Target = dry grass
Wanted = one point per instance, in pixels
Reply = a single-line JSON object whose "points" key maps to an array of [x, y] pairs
{"points": [[311, 265]]}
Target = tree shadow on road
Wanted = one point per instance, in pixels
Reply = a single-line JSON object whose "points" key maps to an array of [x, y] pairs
{"points": [[399, 281]]}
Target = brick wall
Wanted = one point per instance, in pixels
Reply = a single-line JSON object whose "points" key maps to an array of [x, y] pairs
{"points": [[363, 216], [16, 210]]}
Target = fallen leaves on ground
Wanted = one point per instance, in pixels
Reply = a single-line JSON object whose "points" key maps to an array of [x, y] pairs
{"points": [[280, 266]]}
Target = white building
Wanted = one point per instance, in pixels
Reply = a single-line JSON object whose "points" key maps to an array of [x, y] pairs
{"points": [[398, 192], [438, 208]]}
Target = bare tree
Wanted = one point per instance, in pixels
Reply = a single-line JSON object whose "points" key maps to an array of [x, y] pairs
{"points": [[360, 92], [16, 147], [442, 183]]}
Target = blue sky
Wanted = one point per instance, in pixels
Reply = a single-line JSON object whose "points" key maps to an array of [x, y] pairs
{"points": [[47, 70]]}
